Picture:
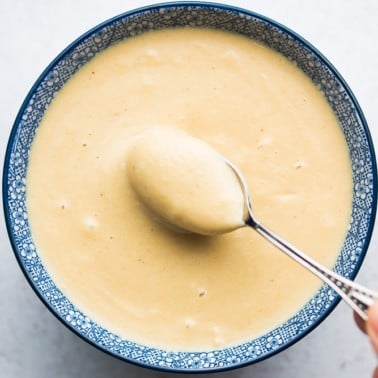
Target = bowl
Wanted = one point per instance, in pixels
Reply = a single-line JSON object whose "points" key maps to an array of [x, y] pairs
{"points": [[197, 14]]}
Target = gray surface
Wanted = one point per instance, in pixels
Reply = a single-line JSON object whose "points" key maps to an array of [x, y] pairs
{"points": [[32, 342]]}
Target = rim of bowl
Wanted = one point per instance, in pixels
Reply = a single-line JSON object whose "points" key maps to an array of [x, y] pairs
{"points": [[186, 4]]}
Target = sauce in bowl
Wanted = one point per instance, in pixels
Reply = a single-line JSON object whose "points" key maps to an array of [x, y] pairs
{"points": [[131, 273]]}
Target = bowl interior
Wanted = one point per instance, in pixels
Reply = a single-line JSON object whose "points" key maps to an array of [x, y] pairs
{"points": [[227, 18]]}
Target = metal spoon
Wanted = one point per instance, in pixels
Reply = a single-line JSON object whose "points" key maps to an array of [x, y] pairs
{"points": [[358, 297]]}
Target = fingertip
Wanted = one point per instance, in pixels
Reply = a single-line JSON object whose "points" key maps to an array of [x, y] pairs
{"points": [[360, 322], [373, 318], [372, 325]]}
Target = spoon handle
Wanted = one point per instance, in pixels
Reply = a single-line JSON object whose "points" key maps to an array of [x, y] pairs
{"points": [[358, 297]]}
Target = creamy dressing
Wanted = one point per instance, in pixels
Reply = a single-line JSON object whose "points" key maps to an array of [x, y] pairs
{"points": [[185, 182], [129, 272]]}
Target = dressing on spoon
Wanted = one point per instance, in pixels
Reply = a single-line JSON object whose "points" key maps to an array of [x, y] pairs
{"points": [[188, 184], [185, 182]]}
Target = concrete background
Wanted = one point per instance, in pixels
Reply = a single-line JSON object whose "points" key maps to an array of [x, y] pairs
{"points": [[33, 344]]}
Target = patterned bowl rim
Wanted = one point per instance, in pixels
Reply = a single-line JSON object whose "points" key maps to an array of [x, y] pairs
{"points": [[184, 5]]}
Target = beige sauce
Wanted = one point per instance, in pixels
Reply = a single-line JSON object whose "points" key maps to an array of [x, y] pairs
{"points": [[137, 277], [185, 182]]}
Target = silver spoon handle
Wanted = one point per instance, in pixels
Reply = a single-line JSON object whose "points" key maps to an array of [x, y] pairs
{"points": [[358, 297]]}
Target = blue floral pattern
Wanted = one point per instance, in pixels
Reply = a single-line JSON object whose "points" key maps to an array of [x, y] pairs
{"points": [[226, 18]]}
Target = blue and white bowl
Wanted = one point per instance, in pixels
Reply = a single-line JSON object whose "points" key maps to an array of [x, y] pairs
{"points": [[257, 27]]}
